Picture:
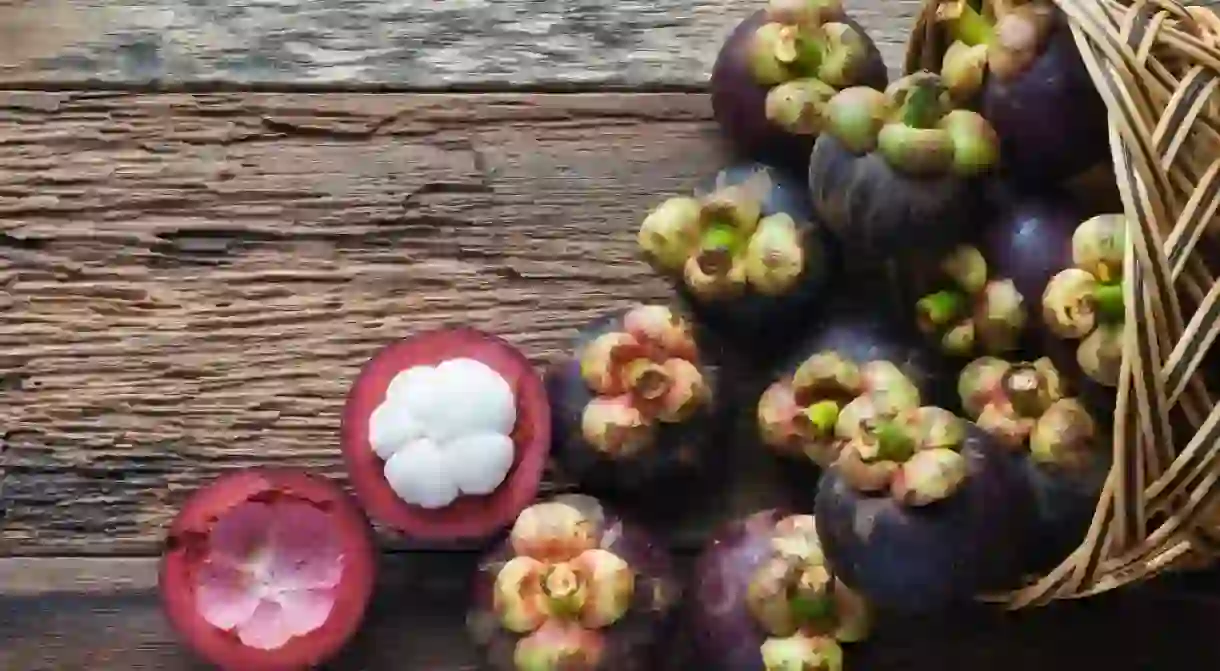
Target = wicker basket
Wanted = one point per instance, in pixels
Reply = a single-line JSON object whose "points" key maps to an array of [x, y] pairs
{"points": [[1155, 64]]}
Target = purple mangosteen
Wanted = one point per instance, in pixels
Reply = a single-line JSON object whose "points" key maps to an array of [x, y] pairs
{"points": [[765, 599], [573, 588], [746, 252], [923, 511], [778, 68], [1017, 63], [1063, 450], [633, 401], [893, 174]]}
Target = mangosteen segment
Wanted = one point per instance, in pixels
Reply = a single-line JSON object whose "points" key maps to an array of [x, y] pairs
{"points": [[721, 245], [1086, 302], [972, 312], [826, 400], [911, 455], [445, 431], [639, 376], [914, 128]]}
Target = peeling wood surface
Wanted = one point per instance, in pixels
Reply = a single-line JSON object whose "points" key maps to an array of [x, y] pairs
{"points": [[399, 43], [189, 283], [416, 622]]}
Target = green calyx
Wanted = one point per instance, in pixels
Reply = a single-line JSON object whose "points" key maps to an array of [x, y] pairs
{"points": [[923, 136], [940, 309], [891, 442], [973, 311]]}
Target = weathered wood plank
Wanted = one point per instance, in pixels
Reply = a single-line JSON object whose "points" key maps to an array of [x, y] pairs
{"points": [[188, 283], [403, 43], [416, 622]]}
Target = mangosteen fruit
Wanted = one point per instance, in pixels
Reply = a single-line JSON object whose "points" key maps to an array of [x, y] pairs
{"points": [[1016, 62], [268, 570], [745, 252], [1062, 449], [923, 511], [633, 401], [573, 588], [778, 68], [892, 175], [766, 600], [446, 433]]}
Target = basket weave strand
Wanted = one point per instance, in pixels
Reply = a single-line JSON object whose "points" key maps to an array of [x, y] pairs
{"points": [[1155, 64]]}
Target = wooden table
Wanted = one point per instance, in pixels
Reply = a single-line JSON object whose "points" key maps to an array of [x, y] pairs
{"points": [[212, 213]]}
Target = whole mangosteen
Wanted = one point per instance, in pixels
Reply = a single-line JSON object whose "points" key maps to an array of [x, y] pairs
{"points": [[766, 600], [892, 174], [746, 253], [922, 511], [778, 68], [573, 588], [634, 402], [1062, 449], [1017, 63]]}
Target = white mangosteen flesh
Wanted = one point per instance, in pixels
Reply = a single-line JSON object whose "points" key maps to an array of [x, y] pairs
{"points": [[445, 431], [270, 573]]}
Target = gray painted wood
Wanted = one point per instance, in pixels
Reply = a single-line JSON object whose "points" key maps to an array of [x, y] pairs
{"points": [[395, 43]]}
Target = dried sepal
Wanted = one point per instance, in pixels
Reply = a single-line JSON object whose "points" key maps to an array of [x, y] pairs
{"points": [[802, 652], [827, 373], [686, 391], [712, 280], [609, 583], [601, 361], [560, 646], [615, 426], [864, 476], [978, 383], [929, 476], [553, 531], [777, 410], [670, 233], [517, 597], [1065, 437], [662, 330], [774, 259], [1100, 354]]}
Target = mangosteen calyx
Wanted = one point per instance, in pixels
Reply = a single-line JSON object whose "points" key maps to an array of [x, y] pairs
{"points": [[1086, 302], [644, 374], [914, 128], [912, 455], [817, 409], [972, 312], [720, 245], [1002, 39], [807, 40], [1023, 406], [800, 605], [559, 590]]}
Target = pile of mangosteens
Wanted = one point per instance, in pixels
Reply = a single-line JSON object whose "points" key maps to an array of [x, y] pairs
{"points": [[935, 326]]}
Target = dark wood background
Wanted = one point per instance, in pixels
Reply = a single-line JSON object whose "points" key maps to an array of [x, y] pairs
{"points": [[210, 216]]}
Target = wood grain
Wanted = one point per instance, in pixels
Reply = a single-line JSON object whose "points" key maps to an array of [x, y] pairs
{"points": [[374, 43], [189, 283], [416, 622]]}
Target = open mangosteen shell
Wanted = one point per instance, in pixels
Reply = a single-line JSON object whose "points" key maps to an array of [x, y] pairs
{"points": [[724, 633], [635, 642], [739, 103], [935, 557], [1050, 119], [468, 517], [879, 216], [683, 455], [758, 325], [185, 548]]}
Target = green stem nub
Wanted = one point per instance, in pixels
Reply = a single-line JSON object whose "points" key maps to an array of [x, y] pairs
{"points": [[893, 443], [938, 310], [717, 249], [922, 107], [1108, 303], [821, 417]]}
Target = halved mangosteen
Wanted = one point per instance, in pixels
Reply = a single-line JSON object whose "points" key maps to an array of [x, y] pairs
{"points": [[446, 434], [574, 588], [892, 174], [766, 600], [745, 252], [923, 511], [778, 68], [268, 570], [634, 402], [1016, 61], [1063, 451]]}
